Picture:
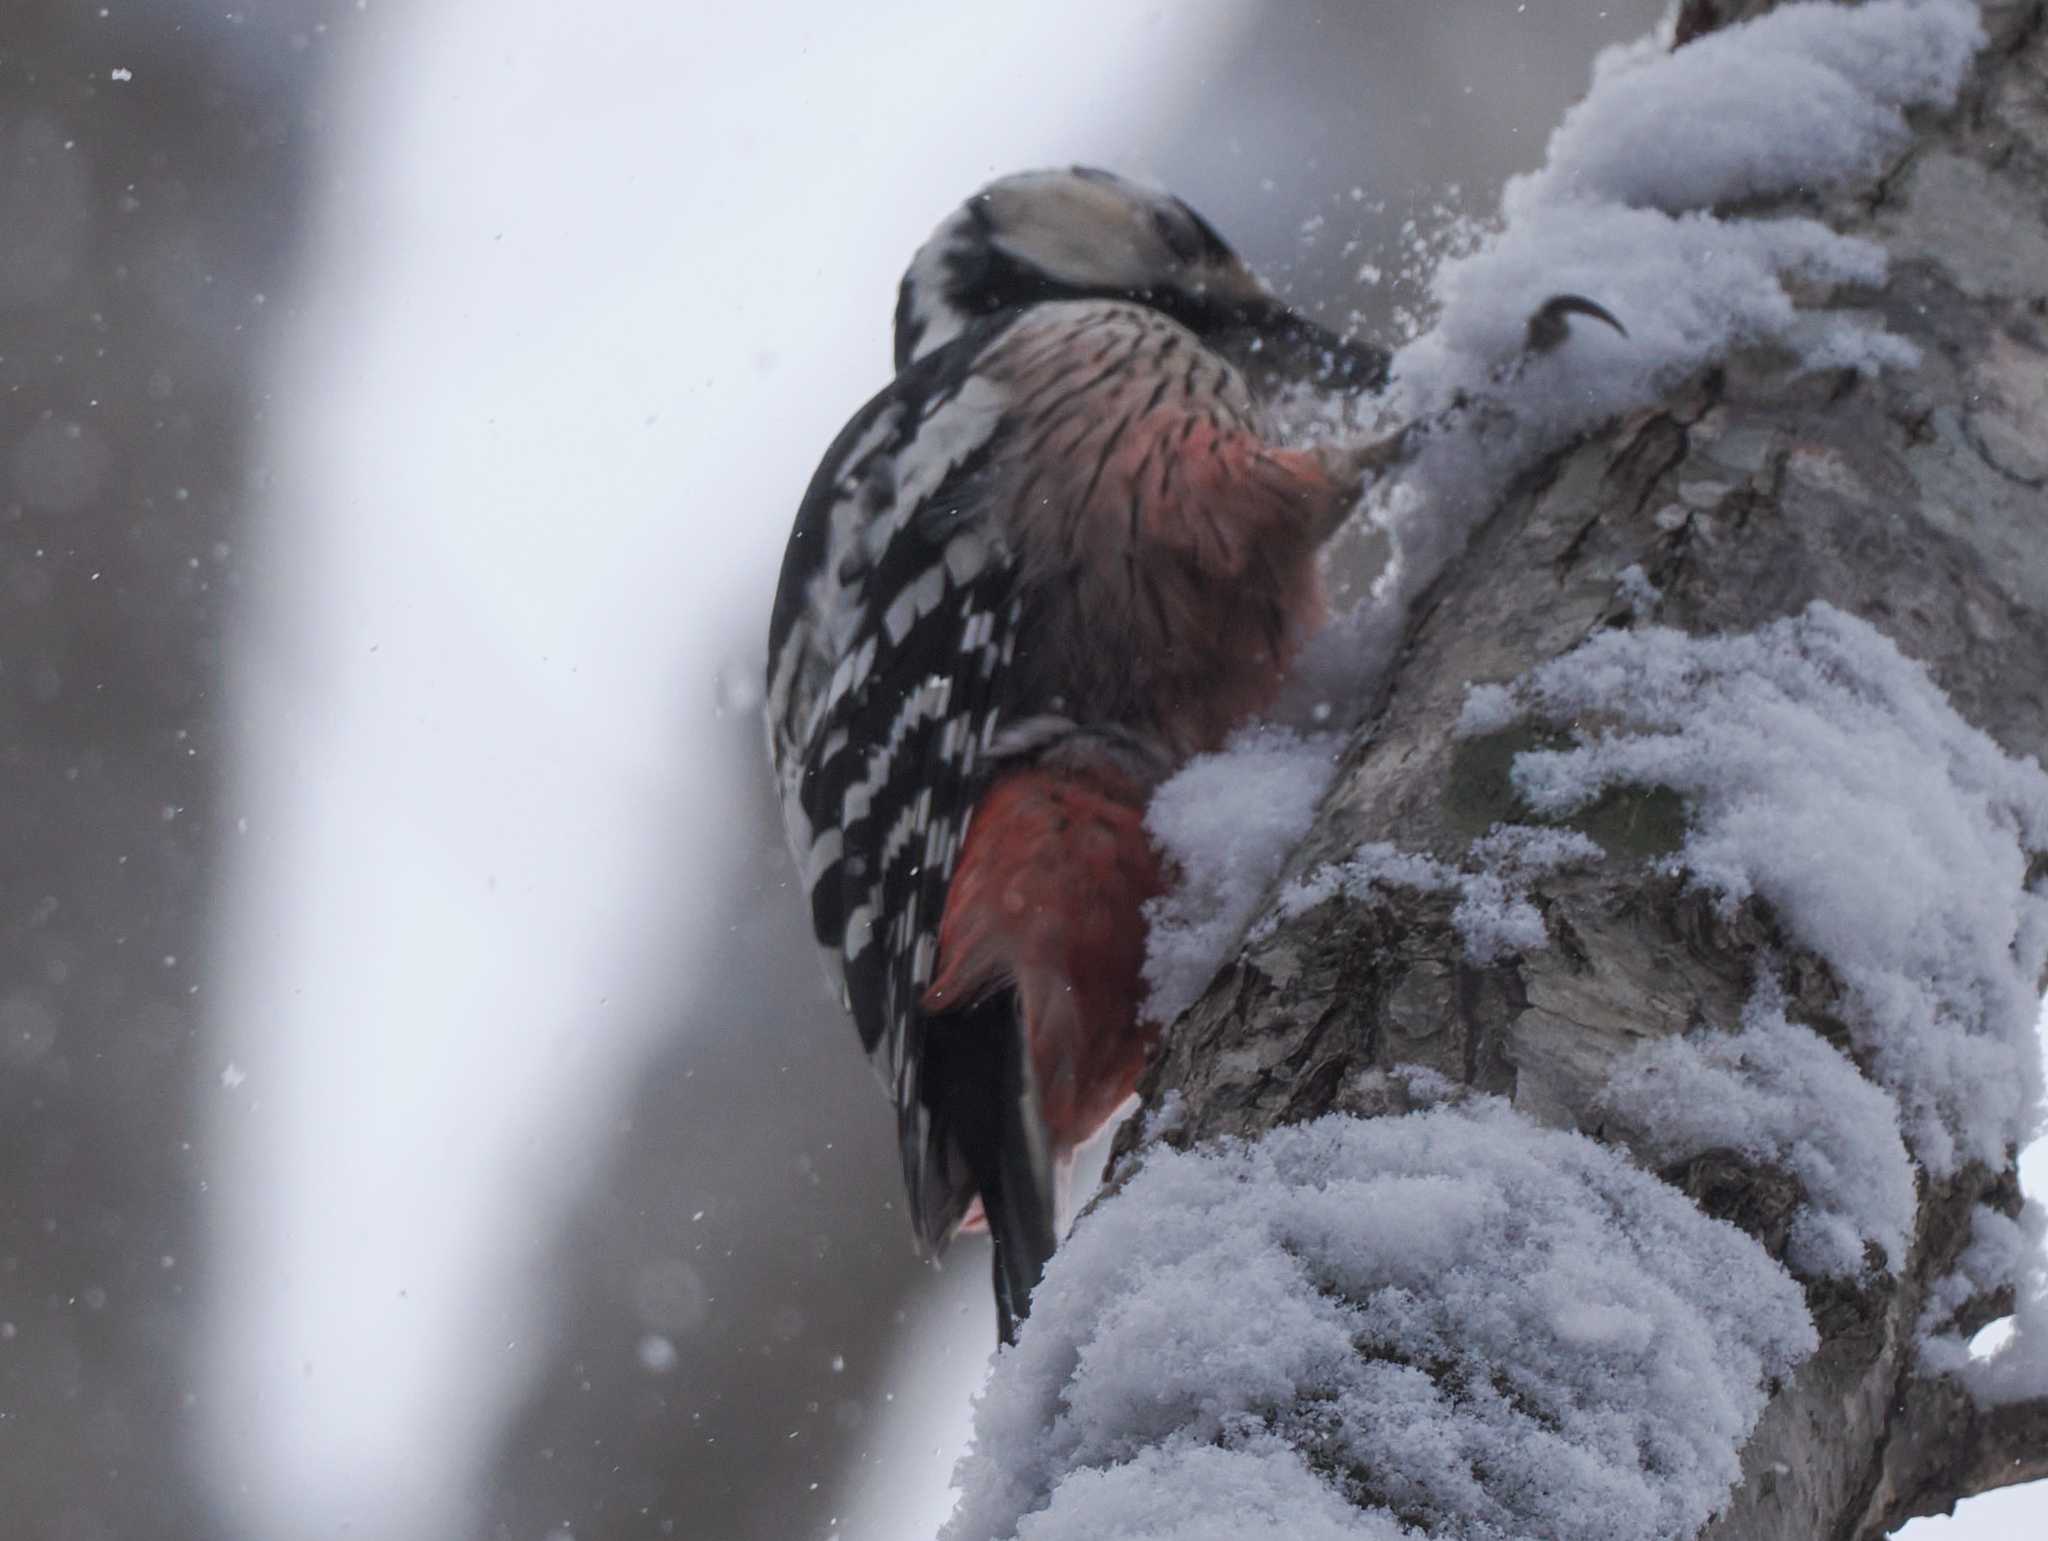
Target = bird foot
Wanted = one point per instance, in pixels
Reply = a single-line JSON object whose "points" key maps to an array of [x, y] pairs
{"points": [[1549, 325], [1358, 466]]}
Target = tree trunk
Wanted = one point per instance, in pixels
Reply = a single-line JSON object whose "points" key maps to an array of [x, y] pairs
{"points": [[1916, 499], [144, 214]]}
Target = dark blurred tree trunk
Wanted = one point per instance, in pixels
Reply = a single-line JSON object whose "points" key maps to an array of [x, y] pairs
{"points": [[149, 160], [1918, 501]]}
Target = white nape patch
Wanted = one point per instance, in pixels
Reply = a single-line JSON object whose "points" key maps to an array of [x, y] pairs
{"points": [[1512, 1329], [1493, 913], [1628, 211], [1827, 775], [1781, 1095], [1227, 822]]}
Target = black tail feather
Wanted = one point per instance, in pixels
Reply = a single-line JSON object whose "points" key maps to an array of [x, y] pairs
{"points": [[978, 1085]]}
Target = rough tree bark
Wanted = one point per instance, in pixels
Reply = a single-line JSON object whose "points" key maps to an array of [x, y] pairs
{"points": [[1917, 500]]}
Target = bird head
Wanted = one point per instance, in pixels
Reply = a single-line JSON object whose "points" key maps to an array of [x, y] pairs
{"points": [[1088, 234]]}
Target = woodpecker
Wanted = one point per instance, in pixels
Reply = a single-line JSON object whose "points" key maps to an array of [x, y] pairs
{"points": [[1059, 554]]}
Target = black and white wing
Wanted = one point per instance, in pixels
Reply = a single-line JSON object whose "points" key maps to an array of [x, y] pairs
{"points": [[897, 612]]}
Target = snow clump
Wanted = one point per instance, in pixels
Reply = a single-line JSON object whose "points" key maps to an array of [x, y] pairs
{"points": [[1493, 916], [2002, 1251], [1781, 1095], [1455, 1319], [1827, 775], [1227, 823], [1634, 208]]}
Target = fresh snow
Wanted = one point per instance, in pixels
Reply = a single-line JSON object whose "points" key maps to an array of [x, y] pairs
{"points": [[2019, 1370], [1493, 916], [1634, 208], [1226, 823], [1458, 1318], [1809, 96], [1637, 207], [1206, 1493], [1455, 1318], [1635, 590], [1780, 1094], [1991, 1260], [1826, 774], [2001, 1251]]}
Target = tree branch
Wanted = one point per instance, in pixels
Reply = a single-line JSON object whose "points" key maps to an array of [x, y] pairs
{"points": [[1916, 500], [1945, 1448], [1465, 1321]]}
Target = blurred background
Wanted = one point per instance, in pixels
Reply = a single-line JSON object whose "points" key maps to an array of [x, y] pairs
{"points": [[421, 1115]]}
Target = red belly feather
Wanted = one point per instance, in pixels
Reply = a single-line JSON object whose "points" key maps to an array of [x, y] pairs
{"points": [[1048, 898]]}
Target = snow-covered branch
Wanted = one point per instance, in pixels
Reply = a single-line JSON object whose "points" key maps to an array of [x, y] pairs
{"points": [[1654, 984]]}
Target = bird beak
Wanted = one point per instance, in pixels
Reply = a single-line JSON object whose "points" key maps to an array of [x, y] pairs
{"points": [[1278, 347]]}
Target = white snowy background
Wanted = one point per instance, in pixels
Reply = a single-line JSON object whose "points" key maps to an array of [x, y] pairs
{"points": [[580, 306]]}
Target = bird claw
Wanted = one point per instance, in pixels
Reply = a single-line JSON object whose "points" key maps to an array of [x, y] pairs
{"points": [[1358, 466], [1355, 467], [1549, 325]]}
